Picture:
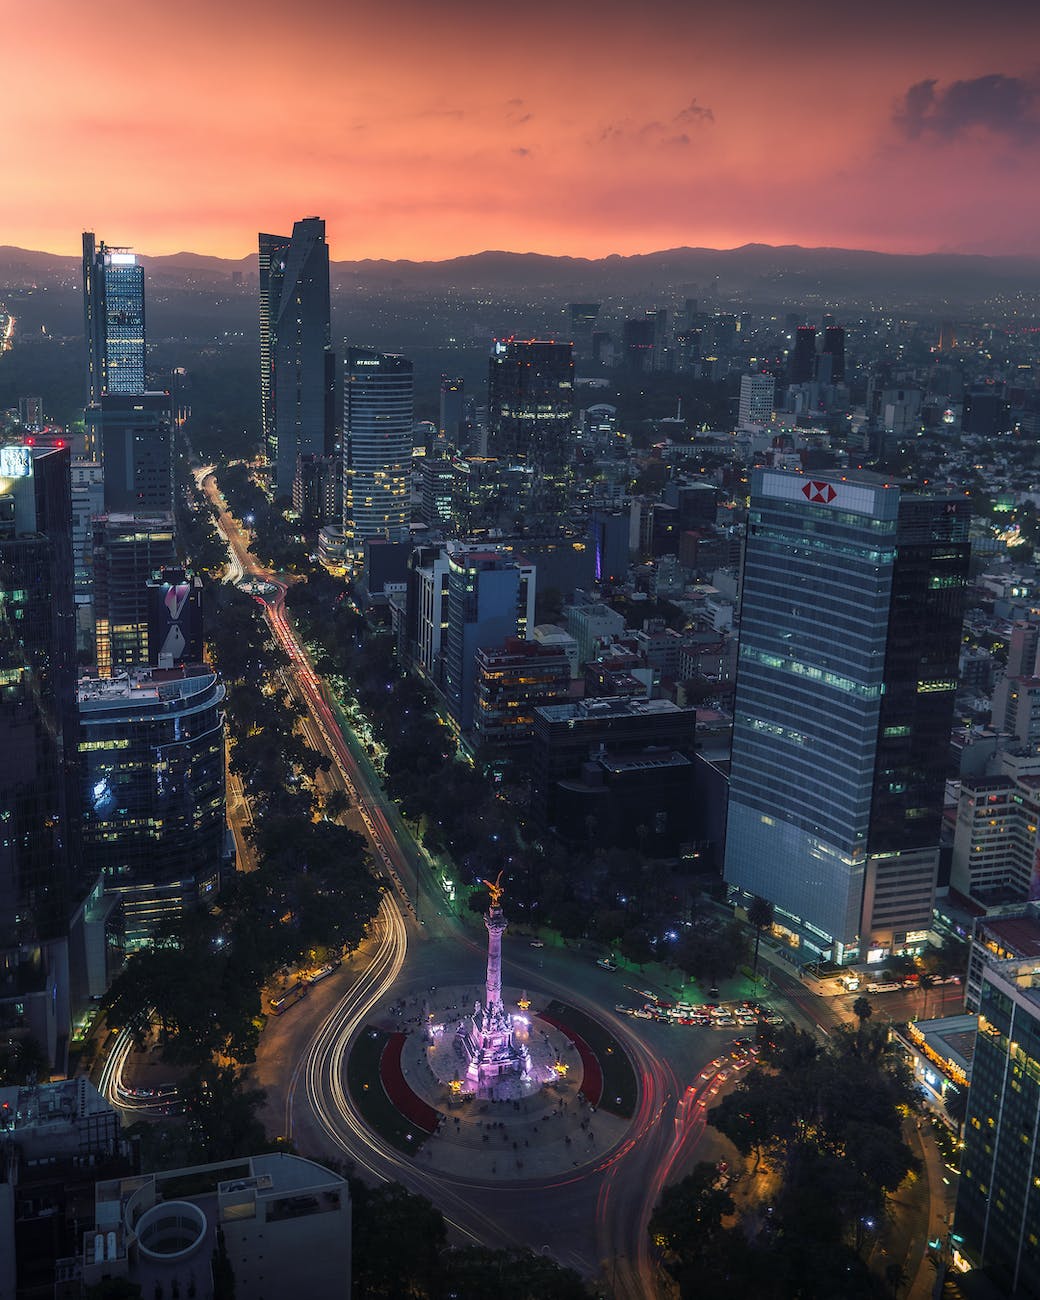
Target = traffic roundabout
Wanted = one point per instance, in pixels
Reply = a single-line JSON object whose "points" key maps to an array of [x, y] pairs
{"points": [[407, 1078]]}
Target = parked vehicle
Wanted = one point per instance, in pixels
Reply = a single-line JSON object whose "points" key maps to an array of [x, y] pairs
{"points": [[289, 998]]}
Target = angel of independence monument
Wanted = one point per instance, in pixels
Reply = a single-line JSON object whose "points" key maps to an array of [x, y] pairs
{"points": [[487, 1037]]}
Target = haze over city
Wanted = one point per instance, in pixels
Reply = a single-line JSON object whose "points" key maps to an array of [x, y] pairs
{"points": [[586, 129], [520, 651]]}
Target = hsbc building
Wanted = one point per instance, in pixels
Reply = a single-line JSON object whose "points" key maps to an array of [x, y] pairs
{"points": [[852, 601]]}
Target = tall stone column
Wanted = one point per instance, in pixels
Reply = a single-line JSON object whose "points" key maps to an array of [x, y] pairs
{"points": [[496, 923]]}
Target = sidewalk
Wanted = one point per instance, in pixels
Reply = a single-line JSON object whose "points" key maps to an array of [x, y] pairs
{"points": [[553, 1130], [942, 1195]]}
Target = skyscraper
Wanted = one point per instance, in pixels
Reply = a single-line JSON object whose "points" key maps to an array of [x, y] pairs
{"points": [[297, 374], [531, 401], [850, 632], [273, 251], [803, 358], [757, 395], [637, 345], [39, 825], [113, 304], [153, 789], [452, 411], [127, 551], [490, 598], [377, 446], [137, 452], [998, 1198], [834, 347]]}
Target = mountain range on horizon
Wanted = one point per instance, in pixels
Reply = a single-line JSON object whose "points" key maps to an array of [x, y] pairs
{"points": [[752, 269]]}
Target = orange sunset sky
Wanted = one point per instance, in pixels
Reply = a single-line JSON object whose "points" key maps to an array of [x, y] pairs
{"points": [[426, 130]]}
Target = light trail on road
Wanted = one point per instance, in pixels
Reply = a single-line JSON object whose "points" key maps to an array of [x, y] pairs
{"points": [[631, 1176], [112, 1072], [115, 1091]]}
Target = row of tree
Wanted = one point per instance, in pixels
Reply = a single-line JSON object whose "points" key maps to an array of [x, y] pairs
{"points": [[276, 538], [616, 897], [430, 1269], [820, 1130], [312, 894]]}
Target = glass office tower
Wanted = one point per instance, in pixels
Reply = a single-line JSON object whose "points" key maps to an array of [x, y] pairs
{"points": [[113, 301], [137, 434], [378, 412], [850, 631], [296, 361], [531, 401], [41, 878], [152, 753], [997, 1222]]}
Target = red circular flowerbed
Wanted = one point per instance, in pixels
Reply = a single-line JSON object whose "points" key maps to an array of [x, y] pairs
{"points": [[391, 1075], [592, 1072]]}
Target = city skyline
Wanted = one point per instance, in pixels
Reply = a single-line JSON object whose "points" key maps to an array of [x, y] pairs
{"points": [[915, 132]]}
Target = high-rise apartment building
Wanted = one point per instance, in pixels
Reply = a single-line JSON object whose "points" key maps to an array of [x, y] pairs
{"points": [[757, 398], [997, 1219], [1023, 660], [317, 490], [378, 412], [531, 401], [996, 847], [113, 302], [297, 375], [850, 631], [426, 618]]}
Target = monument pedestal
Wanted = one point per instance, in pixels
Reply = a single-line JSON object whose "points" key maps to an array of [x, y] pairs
{"points": [[486, 1038]]}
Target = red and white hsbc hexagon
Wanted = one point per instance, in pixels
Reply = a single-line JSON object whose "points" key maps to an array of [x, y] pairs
{"points": [[822, 492]]}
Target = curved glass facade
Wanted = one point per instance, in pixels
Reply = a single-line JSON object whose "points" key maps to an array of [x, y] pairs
{"points": [[152, 755]]}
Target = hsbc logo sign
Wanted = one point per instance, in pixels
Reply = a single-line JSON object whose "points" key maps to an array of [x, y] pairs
{"points": [[860, 498]]}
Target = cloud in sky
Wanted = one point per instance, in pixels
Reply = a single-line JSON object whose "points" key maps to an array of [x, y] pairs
{"points": [[1002, 105], [575, 131], [694, 112], [657, 133]]}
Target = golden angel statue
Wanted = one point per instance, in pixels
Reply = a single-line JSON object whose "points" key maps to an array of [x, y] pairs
{"points": [[496, 889]]}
